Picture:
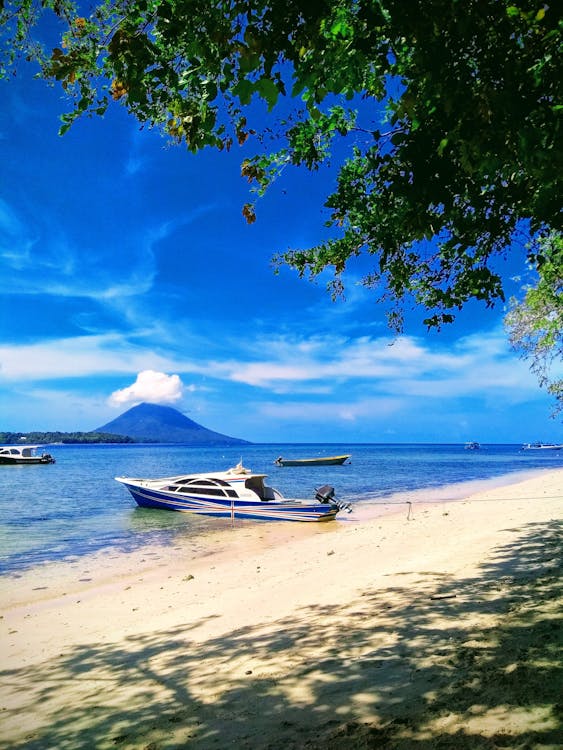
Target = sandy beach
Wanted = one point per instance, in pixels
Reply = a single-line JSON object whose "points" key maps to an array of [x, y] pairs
{"points": [[438, 628]]}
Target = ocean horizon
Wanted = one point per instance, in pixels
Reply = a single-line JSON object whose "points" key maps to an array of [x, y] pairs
{"points": [[73, 508]]}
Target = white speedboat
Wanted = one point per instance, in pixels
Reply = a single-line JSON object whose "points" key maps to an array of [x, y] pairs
{"points": [[542, 446], [235, 493], [24, 454]]}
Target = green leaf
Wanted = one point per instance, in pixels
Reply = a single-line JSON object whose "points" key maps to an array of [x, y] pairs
{"points": [[249, 63], [441, 146], [268, 91], [244, 90]]}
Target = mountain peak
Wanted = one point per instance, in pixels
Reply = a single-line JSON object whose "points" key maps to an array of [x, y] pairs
{"points": [[164, 424]]}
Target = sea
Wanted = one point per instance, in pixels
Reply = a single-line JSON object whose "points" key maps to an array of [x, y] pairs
{"points": [[74, 507]]}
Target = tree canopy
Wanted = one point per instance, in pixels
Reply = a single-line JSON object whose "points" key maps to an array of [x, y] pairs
{"points": [[535, 324], [450, 110]]}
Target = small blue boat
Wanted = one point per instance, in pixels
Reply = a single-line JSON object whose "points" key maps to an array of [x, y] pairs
{"points": [[318, 461], [235, 493]]}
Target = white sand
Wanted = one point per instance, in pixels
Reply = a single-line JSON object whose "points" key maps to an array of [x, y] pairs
{"points": [[356, 633]]}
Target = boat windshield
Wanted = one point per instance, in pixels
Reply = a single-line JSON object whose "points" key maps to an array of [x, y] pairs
{"points": [[256, 484]]}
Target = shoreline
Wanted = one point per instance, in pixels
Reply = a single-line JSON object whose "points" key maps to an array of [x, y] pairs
{"points": [[290, 635], [365, 509]]}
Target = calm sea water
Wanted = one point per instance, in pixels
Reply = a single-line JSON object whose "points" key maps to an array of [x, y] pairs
{"points": [[74, 507]]}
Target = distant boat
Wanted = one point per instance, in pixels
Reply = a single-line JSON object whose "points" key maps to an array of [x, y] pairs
{"points": [[235, 493], [472, 446], [320, 461], [24, 454], [542, 446]]}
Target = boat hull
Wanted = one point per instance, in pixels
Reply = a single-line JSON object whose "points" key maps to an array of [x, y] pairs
{"points": [[7, 461], [324, 461], [287, 510], [542, 447]]}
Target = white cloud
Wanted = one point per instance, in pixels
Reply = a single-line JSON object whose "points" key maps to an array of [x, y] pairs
{"points": [[326, 412], [82, 356], [151, 386], [360, 384], [471, 366], [317, 364]]}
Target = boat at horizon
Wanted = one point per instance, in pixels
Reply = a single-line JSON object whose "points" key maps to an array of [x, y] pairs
{"points": [[319, 461], [537, 446], [472, 445], [235, 493], [24, 454]]}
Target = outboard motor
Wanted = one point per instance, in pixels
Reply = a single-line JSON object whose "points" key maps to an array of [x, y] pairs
{"points": [[325, 494]]}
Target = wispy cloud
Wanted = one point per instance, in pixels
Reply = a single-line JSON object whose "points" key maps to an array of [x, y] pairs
{"points": [[16, 243], [82, 356], [320, 365], [331, 411], [406, 365], [359, 387], [47, 259]]}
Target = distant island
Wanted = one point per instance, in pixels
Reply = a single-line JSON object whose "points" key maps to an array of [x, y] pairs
{"points": [[145, 423]]}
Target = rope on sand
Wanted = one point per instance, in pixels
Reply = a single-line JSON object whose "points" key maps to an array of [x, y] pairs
{"points": [[411, 503]]}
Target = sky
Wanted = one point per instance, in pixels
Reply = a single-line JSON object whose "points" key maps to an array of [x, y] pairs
{"points": [[129, 275]]}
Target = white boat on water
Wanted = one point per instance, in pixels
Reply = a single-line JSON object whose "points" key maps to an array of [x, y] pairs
{"points": [[542, 446], [472, 445], [235, 493], [24, 454]]}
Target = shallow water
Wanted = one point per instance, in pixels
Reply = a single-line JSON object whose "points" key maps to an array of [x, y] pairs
{"points": [[74, 507]]}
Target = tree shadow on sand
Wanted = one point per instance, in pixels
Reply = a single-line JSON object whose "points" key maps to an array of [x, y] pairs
{"points": [[471, 663]]}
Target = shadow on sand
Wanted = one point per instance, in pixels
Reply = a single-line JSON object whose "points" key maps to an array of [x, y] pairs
{"points": [[470, 664]]}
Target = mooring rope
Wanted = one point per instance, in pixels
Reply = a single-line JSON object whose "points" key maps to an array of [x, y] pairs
{"points": [[411, 503]]}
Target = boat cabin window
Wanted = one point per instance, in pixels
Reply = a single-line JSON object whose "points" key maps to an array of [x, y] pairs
{"points": [[212, 491], [211, 487], [201, 482]]}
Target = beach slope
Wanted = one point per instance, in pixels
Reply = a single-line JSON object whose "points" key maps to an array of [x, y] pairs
{"points": [[435, 629]]}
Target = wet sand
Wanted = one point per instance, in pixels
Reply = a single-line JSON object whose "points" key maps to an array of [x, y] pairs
{"points": [[435, 629]]}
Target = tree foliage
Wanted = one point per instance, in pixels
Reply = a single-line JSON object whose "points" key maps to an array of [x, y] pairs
{"points": [[535, 324], [451, 111], [15, 438]]}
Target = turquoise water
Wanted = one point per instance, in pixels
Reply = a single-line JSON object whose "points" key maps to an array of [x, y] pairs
{"points": [[74, 507]]}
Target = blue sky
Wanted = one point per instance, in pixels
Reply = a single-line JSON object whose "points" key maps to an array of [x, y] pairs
{"points": [[129, 275]]}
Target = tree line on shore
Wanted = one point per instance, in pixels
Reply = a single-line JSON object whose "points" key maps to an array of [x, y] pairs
{"points": [[14, 438]]}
